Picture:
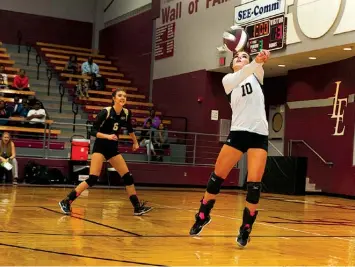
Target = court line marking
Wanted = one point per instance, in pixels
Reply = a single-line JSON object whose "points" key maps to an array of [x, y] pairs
{"points": [[78, 255], [261, 223], [97, 223], [161, 236]]}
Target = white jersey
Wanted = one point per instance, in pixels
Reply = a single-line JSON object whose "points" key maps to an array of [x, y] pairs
{"points": [[247, 99]]}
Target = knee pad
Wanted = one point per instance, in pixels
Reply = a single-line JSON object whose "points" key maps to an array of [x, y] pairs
{"points": [[254, 189], [214, 184], [128, 179], [92, 180]]}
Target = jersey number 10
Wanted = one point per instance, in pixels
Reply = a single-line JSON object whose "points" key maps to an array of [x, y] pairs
{"points": [[247, 89]]}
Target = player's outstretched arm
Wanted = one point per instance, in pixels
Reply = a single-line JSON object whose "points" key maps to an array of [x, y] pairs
{"points": [[232, 80]]}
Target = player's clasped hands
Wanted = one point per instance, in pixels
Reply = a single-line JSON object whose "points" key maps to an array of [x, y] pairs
{"points": [[263, 56], [112, 137], [135, 146]]}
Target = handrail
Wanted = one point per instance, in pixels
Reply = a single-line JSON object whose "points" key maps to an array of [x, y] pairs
{"points": [[38, 61], [329, 163], [61, 92], [19, 38], [28, 48], [49, 76], [75, 110]]}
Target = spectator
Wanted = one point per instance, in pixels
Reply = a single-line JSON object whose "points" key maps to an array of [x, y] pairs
{"points": [[4, 113], [82, 88], [161, 137], [145, 138], [32, 100], [72, 65], [3, 78], [21, 81], [20, 109], [155, 119], [8, 154], [161, 141], [37, 115], [90, 68]]}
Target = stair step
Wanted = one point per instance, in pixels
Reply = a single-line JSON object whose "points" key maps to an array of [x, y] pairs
{"points": [[65, 115]]}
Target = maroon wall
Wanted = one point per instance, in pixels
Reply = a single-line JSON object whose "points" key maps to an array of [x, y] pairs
{"points": [[45, 29], [177, 96], [129, 45], [315, 126]]}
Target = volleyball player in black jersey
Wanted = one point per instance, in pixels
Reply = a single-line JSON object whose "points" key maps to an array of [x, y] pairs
{"points": [[106, 130]]}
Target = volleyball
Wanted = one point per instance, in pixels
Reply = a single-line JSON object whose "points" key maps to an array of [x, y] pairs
{"points": [[235, 39]]}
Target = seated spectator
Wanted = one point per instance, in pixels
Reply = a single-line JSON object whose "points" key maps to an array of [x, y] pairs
{"points": [[82, 88], [90, 68], [154, 119], [21, 81], [72, 65], [8, 154], [145, 138], [4, 113], [20, 108], [3, 78], [161, 141], [161, 137], [37, 116], [32, 100]]}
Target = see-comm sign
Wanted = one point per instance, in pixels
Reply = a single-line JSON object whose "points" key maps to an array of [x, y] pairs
{"points": [[258, 10]]}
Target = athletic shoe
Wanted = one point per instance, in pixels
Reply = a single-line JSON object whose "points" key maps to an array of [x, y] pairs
{"points": [[243, 238], [141, 209], [198, 226], [65, 206]]}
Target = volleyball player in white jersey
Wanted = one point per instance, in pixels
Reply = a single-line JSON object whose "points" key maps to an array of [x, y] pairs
{"points": [[248, 133]]}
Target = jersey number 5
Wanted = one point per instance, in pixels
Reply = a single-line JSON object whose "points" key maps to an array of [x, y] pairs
{"points": [[247, 89], [115, 126]]}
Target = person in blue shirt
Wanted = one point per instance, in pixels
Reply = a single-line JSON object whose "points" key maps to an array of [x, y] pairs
{"points": [[90, 68]]}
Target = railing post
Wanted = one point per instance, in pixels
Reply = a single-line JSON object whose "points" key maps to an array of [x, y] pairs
{"points": [[38, 61], [49, 76], [194, 156], [28, 48], [61, 92], [88, 128], [49, 141], [19, 38], [44, 139], [149, 150], [75, 110]]}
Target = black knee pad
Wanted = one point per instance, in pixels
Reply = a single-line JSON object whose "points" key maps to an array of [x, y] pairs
{"points": [[254, 189], [128, 179], [92, 180], [214, 184]]}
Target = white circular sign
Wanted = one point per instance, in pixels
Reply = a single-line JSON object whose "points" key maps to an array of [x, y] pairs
{"points": [[315, 18]]}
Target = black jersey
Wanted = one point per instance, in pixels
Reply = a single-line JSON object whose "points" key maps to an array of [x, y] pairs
{"points": [[111, 123]]}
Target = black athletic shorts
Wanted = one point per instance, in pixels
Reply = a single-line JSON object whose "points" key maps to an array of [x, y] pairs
{"points": [[243, 140], [108, 148]]}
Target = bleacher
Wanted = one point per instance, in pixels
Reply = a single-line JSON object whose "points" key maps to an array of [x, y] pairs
{"points": [[57, 55], [8, 97]]}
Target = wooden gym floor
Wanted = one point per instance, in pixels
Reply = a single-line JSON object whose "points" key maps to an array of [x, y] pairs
{"points": [[290, 231]]}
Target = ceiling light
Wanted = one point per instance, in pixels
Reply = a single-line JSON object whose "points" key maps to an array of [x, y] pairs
{"points": [[281, 65], [312, 58], [347, 48]]}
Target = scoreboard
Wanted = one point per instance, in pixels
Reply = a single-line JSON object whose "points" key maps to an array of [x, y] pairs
{"points": [[267, 34]]}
